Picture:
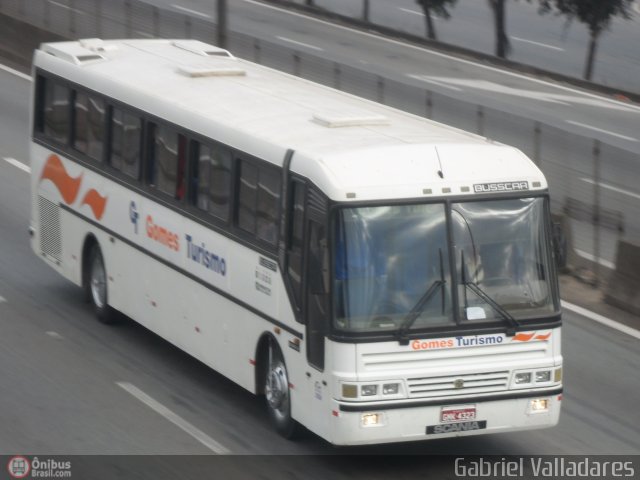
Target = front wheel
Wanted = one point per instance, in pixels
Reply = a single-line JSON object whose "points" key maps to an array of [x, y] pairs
{"points": [[97, 286], [278, 395]]}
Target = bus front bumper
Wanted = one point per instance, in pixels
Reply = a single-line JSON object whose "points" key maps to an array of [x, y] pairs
{"points": [[358, 424]]}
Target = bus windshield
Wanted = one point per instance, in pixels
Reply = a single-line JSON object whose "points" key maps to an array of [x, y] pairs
{"points": [[392, 265]]}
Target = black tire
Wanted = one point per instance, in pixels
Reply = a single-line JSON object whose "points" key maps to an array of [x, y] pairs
{"points": [[278, 394], [96, 286]]}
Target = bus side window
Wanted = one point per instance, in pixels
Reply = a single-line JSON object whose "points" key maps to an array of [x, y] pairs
{"points": [[211, 179], [168, 154], [295, 240], [88, 125], [247, 195], [258, 200], [56, 122], [269, 186], [126, 139]]}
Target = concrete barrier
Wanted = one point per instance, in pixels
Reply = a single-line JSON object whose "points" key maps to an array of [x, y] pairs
{"points": [[623, 290], [18, 40]]}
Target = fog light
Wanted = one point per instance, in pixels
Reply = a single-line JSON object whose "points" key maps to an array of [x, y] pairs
{"points": [[539, 405], [544, 376], [390, 388], [522, 378], [368, 390], [557, 375], [371, 419], [349, 391]]}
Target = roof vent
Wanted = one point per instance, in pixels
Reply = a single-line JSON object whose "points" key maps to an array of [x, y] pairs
{"points": [[202, 49], [210, 71], [349, 119], [72, 52], [97, 45]]}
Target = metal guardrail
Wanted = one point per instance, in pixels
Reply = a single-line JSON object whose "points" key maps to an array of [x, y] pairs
{"points": [[583, 173]]}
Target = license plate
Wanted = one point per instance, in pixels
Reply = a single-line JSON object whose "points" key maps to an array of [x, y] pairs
{"points": [[458, 413], [456, 427]]}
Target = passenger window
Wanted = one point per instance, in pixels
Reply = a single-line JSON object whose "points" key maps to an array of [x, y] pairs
{"points": [[169, 161], [56, 111], [295, 243], [126, 130], [247, 195], [212, 179], [268, 202], [258, 200], [89, 115]]}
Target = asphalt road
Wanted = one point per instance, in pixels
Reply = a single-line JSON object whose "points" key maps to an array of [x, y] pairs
{"points": [[73, 386], [544, 41]]}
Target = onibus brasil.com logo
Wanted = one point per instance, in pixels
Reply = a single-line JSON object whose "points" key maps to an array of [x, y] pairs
{"points": [[21, 467]]}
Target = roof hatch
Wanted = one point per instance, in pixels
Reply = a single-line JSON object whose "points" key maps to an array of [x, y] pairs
{"points": [[349, 119], [202, 49]]}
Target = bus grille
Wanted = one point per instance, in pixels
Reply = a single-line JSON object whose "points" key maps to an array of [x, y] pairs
{"points": [[451, 385], [50, 236]]}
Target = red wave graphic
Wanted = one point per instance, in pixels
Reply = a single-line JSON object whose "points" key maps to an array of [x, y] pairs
{"points": [[543, 337], [67, 185], [96, 201], [524, 337]]}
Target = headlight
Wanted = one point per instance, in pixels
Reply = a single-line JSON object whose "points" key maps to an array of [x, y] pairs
{"points": [[390, 388], [543, 376], [522, 378], [368, 390]]}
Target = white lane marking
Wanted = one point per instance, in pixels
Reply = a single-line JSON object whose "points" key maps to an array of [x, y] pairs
{"points": [[449, 57], [301, 44], [611, 187], [434, 81], [596, 129], [192, 12], [178, 421], [601, 319], [67, 7], [17, 164], [494, 87], [10, 70], [414, 12], [601, 261], [524, 40], [2, 299], [55, 335]]}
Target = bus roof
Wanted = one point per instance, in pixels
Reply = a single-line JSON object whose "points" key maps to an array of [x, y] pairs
{"points": [[351, 147]]}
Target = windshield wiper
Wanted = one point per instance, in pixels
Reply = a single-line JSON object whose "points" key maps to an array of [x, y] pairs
{"points": [[419, 307], [514, 324]]}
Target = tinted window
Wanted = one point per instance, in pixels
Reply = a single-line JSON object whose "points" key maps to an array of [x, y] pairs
{"points": [[56, 111], [247, 195], [126, 130], [169, 161], [268, 202], [212, 179], [89, 125], [296, 239]]}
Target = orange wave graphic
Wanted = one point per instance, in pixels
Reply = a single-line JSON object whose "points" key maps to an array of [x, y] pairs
{"points": [[67, 185], [543, 337], [523, 337], [96, 201]]}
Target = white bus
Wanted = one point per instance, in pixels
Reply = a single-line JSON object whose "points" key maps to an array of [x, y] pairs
{"points": [[378, 277]]}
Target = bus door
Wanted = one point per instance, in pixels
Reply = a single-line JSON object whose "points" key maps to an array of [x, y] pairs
{"points": [[317, 291]]}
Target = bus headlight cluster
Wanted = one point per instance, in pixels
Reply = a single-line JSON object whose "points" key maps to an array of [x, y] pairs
{"points": [[370, 391], [536, 378]]}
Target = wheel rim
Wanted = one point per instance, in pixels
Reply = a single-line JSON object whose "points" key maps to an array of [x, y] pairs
{"points": [[98, 282], [277, 391]]}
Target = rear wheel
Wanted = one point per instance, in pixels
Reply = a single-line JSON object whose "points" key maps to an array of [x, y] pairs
{"points": [[97, 286], [278, 394]]}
